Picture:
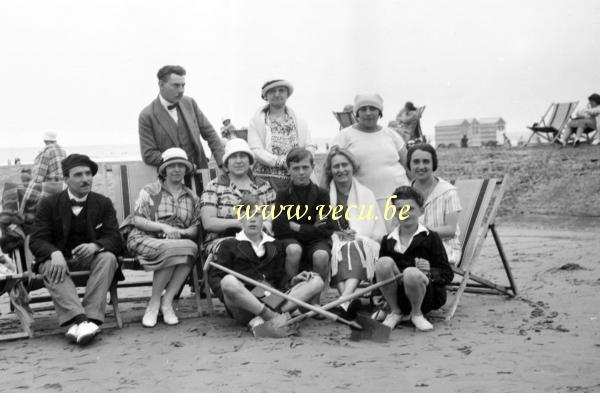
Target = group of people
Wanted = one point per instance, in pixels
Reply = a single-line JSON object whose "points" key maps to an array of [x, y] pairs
{"points": [[378, 211]]}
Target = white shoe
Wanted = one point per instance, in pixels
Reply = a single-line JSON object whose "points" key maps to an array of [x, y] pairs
{"points": [[392, 320], [169, 316], [150, 317], [86, 332], [596, 142], [72, 333], [254, 322], [421, 323]]}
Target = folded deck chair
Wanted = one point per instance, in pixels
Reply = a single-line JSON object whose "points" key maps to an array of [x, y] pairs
{"points": [[475, 221], [553, 121], [346, 119], [129, 178]]}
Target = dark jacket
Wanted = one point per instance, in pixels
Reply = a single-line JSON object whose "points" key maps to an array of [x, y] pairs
{"points": [[426, 246], [53, 222], [308, 232], [158, 133], [240, 256]]}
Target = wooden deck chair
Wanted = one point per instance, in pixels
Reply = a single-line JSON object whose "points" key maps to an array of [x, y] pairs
{"points": [[418, 132], [33, 282], [9, 282], [346, 119], [553, 121], [129, 178], [475, 220]]}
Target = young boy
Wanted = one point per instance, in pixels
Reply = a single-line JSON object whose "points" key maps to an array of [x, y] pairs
{"points": [[419, 254], [256, 255], [307, 238]]}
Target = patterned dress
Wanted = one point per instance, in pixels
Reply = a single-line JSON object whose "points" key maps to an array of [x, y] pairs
{"points": [[284, 137], [157, 204], [225, 196]]}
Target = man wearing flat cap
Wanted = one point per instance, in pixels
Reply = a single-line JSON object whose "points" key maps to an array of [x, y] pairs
{"points": [[174, 120], [274, 131], [46, 167], [77, 229]]}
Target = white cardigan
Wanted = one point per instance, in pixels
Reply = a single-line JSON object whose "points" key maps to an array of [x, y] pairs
{"points": [[259, 136]]}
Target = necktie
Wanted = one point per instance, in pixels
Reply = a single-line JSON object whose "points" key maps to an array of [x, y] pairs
{"points": [[170, 107], [77, 203]]}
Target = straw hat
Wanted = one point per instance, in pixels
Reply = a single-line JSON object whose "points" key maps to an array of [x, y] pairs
{"points": [[174, 155], [237, 145]]}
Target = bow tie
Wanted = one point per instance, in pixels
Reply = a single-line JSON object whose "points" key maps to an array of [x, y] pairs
{"points": [[77, 203], [175, 105]]}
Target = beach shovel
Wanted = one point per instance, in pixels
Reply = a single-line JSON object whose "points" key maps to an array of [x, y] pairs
{"points": [[371, 329], [318, 310]]}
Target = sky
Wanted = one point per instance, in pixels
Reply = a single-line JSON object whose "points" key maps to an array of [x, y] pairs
{"points": [[85, 69]]}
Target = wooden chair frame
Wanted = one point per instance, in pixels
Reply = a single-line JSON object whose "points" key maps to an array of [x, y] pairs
{"points": [[551, 124], [474, 228]]}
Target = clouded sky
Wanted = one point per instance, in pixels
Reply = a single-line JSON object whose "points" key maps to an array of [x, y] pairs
{"points": [[86, 68]]}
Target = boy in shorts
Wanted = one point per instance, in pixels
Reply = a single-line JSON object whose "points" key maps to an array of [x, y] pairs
{"points": [[419, 254], [256, 255], [306, 237]]}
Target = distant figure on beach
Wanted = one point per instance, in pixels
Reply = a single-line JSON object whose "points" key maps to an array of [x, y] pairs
{"points": [[507, 142], [408, 123], [46, 166], [174, 120], [227, 130], [464, 141], [380, 151], [17, 161], [274, 130], [77, 229], [589, 117]]}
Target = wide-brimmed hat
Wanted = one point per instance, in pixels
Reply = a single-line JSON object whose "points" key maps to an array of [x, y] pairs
{"points": [[362, 100], [174, 155], [73, 160], [237, 145], [50, 136], [276, 83]]}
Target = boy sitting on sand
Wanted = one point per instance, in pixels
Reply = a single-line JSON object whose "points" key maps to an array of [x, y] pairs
{"points": [[257, 255], [419, 254]]}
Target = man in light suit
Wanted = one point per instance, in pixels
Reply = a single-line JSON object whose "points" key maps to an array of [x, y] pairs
{"points": [[77, 229], [174, 120]]}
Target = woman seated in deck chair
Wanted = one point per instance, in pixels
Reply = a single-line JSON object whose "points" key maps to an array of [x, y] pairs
{"points": [[356, 241], [164, 234], [221, 196], [441, 208]]}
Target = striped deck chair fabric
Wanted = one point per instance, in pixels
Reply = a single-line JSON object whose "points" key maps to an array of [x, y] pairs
{"points": [[475, 220], [553, 121], [346, 119]]}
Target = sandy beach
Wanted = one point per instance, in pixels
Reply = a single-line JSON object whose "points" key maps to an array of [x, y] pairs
{"points": [[547, 339]]}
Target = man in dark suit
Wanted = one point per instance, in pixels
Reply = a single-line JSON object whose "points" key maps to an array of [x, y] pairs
{"points": [[174, 120], [77, 229]]}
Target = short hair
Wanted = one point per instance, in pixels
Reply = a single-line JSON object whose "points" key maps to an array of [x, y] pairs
{"points": [[425, 147], [408, 192], [249, 200], [298, 154], [165, 71], [339, 151], [595, 97], [410, 106]]}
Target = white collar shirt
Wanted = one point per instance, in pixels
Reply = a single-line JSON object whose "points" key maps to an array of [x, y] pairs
{"points": [[399, 247], [76, 209], [259, 248], [171, 112]]}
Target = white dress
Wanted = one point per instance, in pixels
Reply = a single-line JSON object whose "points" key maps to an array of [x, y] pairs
{"points": [[378, 154]]}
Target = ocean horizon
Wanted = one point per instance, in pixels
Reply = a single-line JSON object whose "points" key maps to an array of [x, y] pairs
{"points": [[101, 153]]}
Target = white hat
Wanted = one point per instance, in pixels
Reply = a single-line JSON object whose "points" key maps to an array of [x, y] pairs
{"points": [[50, 136], [362, 100], [237, 145], [223, 118], [174, 155], [273, 84]]}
